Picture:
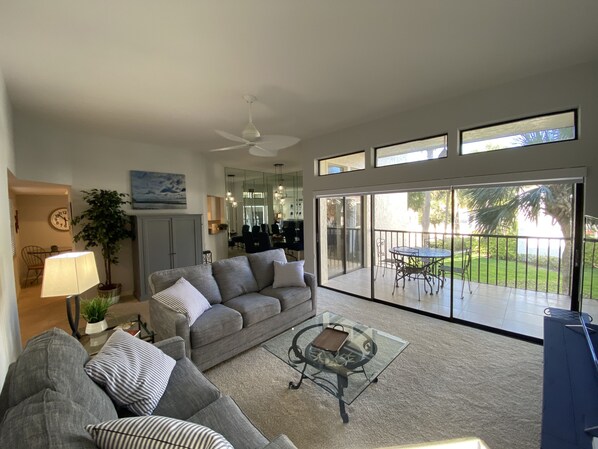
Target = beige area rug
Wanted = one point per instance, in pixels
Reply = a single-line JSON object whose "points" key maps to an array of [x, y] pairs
{"points": [[452, 381]]}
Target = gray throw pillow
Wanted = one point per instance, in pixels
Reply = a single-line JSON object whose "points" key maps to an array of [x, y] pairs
{"points": [[289, 274]]}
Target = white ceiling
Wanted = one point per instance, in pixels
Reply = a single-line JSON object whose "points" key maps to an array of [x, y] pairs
{"points": [[173, 71]]}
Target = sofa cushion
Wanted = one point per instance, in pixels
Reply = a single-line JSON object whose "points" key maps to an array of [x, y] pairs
{"points": [[199, 276], [4, 404], [55, 360], [218, 322], [183, 298], [234, 277], [289, 297], [262, 266], [177, 402], [288, 274], [225, 417], [134, 372], [47, 420], [155, 431], [254, 307]]}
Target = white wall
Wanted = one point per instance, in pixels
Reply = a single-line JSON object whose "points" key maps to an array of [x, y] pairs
{"points": [[575, 87], [57, 153], [10, 338]]}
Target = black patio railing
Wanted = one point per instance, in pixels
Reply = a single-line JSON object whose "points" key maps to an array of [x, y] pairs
{"points": [[532, 263]]}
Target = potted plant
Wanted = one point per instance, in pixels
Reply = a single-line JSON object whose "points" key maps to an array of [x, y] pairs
{"points": [[105, 225], [94, 311]]}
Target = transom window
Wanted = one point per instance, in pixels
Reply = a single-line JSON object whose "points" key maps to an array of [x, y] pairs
{"points": [[413, 151], [341, 164], [521, 133]]}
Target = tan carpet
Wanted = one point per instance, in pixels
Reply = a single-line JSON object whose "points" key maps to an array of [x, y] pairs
{"points": [[452, 381]]}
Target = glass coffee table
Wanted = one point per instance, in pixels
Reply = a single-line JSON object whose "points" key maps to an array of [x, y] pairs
{"points": [[346, 372]]}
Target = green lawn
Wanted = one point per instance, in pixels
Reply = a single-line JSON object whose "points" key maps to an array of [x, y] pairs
{"points": [[493, 272]]}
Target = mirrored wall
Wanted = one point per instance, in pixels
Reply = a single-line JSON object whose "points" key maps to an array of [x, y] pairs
{"points": [[254, 198]]}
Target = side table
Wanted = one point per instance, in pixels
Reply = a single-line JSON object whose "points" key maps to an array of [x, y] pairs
{"points": [[93, 343]]}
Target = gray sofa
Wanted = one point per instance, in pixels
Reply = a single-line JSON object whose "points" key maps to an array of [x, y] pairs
{"points": [[48, 399], [246, 309]]}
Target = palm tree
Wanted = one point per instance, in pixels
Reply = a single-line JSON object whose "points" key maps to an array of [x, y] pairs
{"points": [[495, 209]]}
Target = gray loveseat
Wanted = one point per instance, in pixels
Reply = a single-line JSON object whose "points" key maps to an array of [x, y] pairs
{"points": [[246, 309], [48, 399]]}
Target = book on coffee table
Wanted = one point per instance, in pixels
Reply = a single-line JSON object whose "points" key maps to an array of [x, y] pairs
{"points": [[331, 339]]}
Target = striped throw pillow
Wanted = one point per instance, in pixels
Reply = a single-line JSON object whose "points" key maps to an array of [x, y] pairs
{"points": [[133, 372], [156, 432], [182, 297]]}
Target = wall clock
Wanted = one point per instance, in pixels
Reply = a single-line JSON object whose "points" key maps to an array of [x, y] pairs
{"points": [[59, 219]]}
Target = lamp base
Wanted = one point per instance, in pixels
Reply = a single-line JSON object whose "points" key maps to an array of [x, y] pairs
{"points": [[74, 321]]}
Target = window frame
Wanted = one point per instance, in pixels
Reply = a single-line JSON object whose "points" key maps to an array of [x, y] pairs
{"points": [[445, 134], [339, 156], [575, 112]]}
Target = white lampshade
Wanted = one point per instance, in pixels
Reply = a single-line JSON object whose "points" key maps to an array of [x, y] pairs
{"points": [[69, 274]]}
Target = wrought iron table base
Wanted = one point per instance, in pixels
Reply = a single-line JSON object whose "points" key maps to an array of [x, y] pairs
{"points": [[342, 382]]}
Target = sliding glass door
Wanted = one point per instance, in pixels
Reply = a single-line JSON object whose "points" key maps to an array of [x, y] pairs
{"points": [[342, 240], [412, 240], [497, 256]]}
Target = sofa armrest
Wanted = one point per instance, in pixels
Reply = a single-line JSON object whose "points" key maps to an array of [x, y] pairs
{"points": [[281, 442], [310, 281], [173, 347], [167, 323]]}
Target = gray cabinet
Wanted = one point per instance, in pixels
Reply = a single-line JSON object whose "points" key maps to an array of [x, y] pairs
{"points": [[163, 242]]}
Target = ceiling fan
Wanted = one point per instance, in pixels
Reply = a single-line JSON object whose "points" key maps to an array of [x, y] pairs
{"points": [[258, 144]]}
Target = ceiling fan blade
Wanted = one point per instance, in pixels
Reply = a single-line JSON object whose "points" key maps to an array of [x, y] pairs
{"points": [[256, 150], [230, 136], [277, 142], [235, 147]]}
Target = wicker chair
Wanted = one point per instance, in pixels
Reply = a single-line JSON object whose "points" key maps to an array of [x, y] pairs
{"points": [[34, 257]]}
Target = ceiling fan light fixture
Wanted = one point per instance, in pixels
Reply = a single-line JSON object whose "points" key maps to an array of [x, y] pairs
{"points": [[250, 132], [266, 145]]}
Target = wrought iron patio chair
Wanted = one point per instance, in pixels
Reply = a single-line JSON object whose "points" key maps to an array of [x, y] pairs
{"points": [[381, 259], [411, 267], [462, 271]]}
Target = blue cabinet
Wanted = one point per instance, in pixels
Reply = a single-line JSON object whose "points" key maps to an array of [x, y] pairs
{"points": [[570, 388]]}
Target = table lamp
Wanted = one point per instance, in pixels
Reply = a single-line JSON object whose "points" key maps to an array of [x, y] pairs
{"points": [[70, 274]]}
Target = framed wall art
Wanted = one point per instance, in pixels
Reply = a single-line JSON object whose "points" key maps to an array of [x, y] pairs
{"points": [[154, 190]]}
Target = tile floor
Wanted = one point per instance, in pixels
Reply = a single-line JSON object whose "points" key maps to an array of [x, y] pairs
{"points": [[506, 308]]}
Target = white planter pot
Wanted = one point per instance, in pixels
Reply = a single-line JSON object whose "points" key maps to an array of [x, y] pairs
{"points": [[96, 328]]}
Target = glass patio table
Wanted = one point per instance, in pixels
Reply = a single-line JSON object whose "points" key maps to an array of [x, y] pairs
{"points": [[344, 373]]}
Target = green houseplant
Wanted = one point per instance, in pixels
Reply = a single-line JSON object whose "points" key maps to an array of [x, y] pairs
{"points": [[105, 225], [94, 311]]}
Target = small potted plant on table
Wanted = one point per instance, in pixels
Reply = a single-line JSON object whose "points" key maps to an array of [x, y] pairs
{"points": [[94, 311]]}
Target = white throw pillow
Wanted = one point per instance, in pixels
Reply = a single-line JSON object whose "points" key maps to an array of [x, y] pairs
{"points": [[289, 274], [155, 431], [182, 297], [133, 372]]}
